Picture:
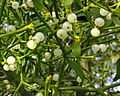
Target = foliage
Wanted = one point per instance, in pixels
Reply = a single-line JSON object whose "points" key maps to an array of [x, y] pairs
{"points": [[59, 47]]}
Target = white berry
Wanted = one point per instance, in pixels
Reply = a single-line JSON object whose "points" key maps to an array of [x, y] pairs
{"points": [[6, 67], [24, 6], [99, 22], [12, 67], [72, 18], [15, 5], [31, 44], [5, 27], [57, 52], [16, 47], [103, 47], [39, 37], [95, 48], [39, 94], [34, 56], [43, 60], [47, 55], [6, 81], [95, 32], [8, 86], [109, 16], [55, 77], [114, 58], [11, 28], [67, 26], [103, 12], [30, 3], [79, 79], [11, 60], [62, 34], [53, 14]]}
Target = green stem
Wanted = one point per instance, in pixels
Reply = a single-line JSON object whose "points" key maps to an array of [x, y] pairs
{"points": [[46, 85], [99, 5], [20, 84], [25, 55], [111, 86], [99, 90], [4, 74], [3, 2], [115, 31], [17, 31], [77, 88], [26, 84], [112, 27], [17, 89]]}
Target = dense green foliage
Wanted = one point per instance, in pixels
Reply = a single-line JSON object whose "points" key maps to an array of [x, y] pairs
{"points": [[59, 47]]}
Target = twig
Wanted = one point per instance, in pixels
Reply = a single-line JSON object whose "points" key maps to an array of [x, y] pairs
{"points": [[17, 31]]}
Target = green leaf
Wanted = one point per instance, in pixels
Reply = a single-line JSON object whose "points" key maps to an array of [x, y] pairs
{"points": [[108, 23], [38, 4], [116, 12], [118, 71], [94, 12], [116, 20], [77, 1], [2, 5], [78, 69], [67, 2], [76, 50]]}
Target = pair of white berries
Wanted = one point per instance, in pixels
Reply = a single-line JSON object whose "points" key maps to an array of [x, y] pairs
{"points": [[102, 47], [10, 64], [7, 84], [57, 53], [106, 13], [67, 26], [29, 3], [37, 38], [9, 28], [99, 22]]}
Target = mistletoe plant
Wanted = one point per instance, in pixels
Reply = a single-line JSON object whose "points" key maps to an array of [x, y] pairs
{"points": [[59, 47]]}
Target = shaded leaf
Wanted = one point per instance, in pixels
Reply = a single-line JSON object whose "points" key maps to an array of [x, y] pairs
{"points": [[117, 71], [116, 12], [2, 5], [78, 69], [38, 4], [67, 2], [116, 20]]}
